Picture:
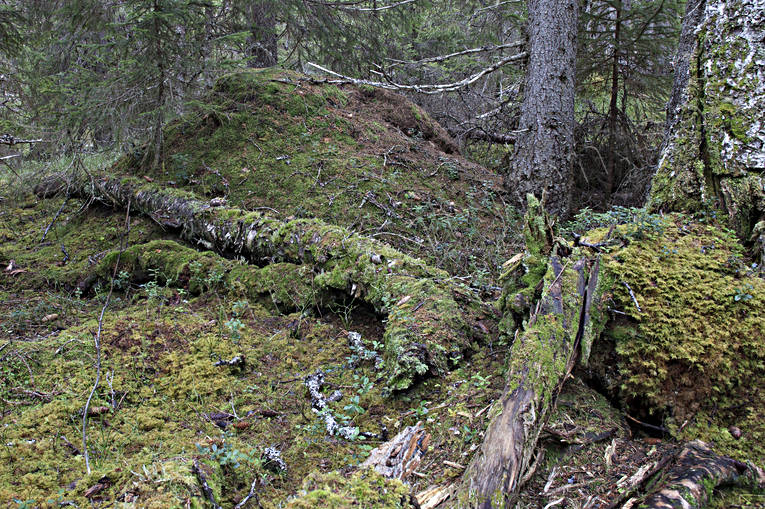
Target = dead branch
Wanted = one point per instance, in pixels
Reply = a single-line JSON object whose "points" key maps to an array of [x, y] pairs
{"points": [[399, 457], [10, 140], [471, 51], [348, 6], [422, 89], [696, 468], [205, 486]]}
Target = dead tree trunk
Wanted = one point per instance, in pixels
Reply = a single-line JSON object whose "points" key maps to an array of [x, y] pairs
{"points": [[543, 158], [540, 360], [714, 157], [432, 320]]}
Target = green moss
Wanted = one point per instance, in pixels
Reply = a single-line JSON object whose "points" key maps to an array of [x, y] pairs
{"points": [[363, 489], [272, 140], [695, 343]]}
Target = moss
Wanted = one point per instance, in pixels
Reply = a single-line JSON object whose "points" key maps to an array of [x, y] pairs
{"points": [[272, 140], [695, 344], [363, 489], [522, 276]]}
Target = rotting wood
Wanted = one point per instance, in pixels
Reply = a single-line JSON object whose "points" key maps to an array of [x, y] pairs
{"points": [[400, 456], [697, 468], [424, 334], [541, 359]]}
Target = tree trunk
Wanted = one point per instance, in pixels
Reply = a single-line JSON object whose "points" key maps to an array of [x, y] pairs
{"points": [[261, 43], [714, 156], [431, 320], [613, 105], [543, 157]]}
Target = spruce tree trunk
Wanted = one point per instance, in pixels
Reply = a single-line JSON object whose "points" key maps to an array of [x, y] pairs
{"points": [[261, 44], [543, 157], [714, 155]]}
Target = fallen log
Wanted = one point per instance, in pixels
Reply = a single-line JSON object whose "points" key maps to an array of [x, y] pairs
{"points": [[432, 320], [696, 471], [541, 359]]}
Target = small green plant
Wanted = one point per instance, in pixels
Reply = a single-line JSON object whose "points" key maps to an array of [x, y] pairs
{"points": [[363, 384], [468, 434], [226, 455], [122, 281], [234, 327], [742, 293], [240, 307], [481, 382], [354, 406], [421, 410]]}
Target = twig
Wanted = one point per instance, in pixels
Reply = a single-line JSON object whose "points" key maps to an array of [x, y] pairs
{"points": [[205, 487], [633, 297], [66, 255], [97, 340], [646, 425], [7, 139], [45, 233], [251, 494]]}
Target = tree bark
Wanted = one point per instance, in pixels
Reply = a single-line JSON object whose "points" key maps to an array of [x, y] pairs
{"points": [[431, 320], [697, 468], [613, 105], [543, 157], [261, 43], [714, 155], [541, 358]]}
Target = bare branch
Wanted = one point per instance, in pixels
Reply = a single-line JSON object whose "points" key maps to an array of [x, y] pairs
{"points": [[470, 51], [97, 340], [8, 139], [349, 6], [422, 89]]}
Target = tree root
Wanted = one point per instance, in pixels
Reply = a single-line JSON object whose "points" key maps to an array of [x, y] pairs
{"points": [[432, 320]]}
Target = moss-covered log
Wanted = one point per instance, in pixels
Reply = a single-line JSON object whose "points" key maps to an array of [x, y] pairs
{"points": [[432, 320], [540, 360], [713, 157]]}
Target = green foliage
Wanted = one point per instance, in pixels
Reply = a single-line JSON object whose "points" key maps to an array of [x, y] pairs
{"points": [[638, 222]]}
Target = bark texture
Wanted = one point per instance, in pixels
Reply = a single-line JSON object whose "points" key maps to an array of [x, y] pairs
{"points": [[543, 158], [540, 360], [696, 471], [261, 43], [431, 322], [714, 156]]}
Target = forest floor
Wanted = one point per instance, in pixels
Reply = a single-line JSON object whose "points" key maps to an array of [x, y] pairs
{"points": [[167, 399]]}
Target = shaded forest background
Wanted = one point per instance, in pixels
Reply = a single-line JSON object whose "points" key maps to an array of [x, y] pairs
{"points": [[91, 76]]}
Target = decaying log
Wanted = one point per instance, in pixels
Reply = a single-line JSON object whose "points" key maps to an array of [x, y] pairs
{"points": [[399, 457], [431, 319], [696, 469], [541, 358]]}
